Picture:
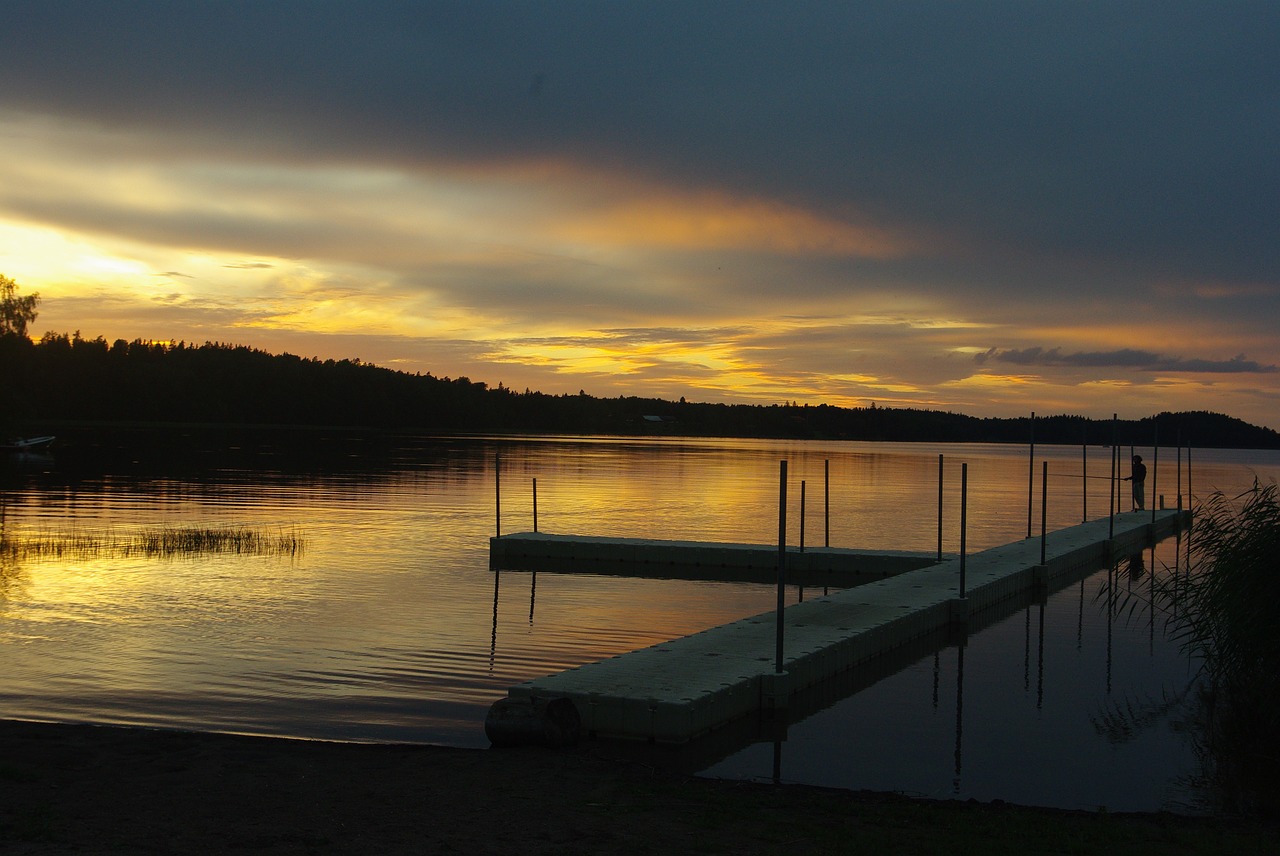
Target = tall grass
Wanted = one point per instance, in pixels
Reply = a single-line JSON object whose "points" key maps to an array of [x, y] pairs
{"points": [[193, 541], [1225, 612], [162, 542]]}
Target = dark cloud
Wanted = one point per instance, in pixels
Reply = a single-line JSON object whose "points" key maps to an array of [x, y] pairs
{"points": [[921, 179], [1125, 358], [1140, 133]]}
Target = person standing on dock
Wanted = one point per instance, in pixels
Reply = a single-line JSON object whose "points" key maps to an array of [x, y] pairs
{"points": [[1138, 475]]}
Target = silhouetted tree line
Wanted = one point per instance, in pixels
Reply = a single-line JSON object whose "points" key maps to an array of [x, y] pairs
{"points": [[67, 378]]}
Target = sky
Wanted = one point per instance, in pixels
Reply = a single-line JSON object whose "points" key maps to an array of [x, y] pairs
{"points": [[991, 208]]}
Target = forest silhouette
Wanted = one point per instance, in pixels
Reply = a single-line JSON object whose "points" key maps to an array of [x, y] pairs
{"points": [[67, 379]]}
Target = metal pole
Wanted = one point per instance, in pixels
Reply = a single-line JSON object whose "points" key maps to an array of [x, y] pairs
{"points": [[1084, 476], [826, 502], [1111, 500], [802, 514], [782, 559], [964, 518], [1119, 479], [1111, 484], [1179, 439], [1155, 468], [1031, 473], [1120, 464], [535, 504], [939, 508], [1044, 507], [497, 494]]}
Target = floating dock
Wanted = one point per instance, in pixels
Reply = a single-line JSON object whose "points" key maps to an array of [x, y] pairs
{"points": [[680, 690], [702, 560]]}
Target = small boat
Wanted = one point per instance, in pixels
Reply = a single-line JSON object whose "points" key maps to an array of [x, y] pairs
{"points": [[22, 445]]}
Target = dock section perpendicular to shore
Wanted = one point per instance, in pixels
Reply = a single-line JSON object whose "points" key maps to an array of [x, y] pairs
{"points": [[679, 690]]}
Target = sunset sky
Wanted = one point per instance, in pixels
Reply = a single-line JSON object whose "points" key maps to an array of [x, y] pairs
{"points": [[985, 207]]}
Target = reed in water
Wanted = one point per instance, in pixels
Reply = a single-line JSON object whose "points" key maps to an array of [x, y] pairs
{"points": [[162, 542]]}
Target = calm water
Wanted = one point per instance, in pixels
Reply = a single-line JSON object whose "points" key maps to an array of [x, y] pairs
{"points": [[389, 625]]}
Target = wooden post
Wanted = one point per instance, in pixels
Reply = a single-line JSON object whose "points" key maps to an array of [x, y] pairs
{"points": [[497, 494], [782, 560], [535, 504]]}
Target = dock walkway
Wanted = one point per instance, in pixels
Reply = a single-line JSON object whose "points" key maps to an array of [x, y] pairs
{"points": [[679, 690], [813, 566]]}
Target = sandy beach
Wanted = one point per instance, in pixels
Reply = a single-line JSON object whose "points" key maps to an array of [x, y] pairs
{"points": [[94, 789]]}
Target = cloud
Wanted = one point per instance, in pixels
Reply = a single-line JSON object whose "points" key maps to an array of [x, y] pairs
{"points": [[1122, 131], [1124, 358], [813, 200]]}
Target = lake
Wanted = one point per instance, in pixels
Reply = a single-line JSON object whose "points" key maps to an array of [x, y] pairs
{"points": [[387, 624]]}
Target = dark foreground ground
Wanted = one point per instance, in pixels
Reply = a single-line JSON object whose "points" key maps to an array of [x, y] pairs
{"points": [[85, 789]]}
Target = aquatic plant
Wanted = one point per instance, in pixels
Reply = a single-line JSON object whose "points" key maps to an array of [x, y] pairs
{"points": [[162, 542], [184, 541], [1222, 613]]}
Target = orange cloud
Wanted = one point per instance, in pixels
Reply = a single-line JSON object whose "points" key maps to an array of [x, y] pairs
{"points": [[715, 221]]}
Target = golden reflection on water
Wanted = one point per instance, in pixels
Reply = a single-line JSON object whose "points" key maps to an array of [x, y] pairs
{"points": [[390, 625]]}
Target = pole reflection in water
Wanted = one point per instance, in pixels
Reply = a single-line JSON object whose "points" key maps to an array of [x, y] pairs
{"points": [[1080, 619], [1040, 662], [959, 753], [1026, 649], [533, 594], [1063, 741], [1151, 600], [1110, 595], [493, 637], [937, 676]]}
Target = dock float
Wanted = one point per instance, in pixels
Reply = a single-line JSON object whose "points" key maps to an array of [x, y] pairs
{"points": [[677, 691], [812, 566]]}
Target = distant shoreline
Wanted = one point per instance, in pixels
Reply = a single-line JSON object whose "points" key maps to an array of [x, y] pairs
{"points": [[72, 380], [75, 426]]}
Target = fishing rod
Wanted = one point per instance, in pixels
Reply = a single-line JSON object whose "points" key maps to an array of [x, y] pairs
{"points": [[1068, 475]]}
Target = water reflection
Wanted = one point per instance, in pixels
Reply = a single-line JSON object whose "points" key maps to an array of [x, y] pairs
{"points": [[392, 627], [1094, 719], [959, 754]]}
